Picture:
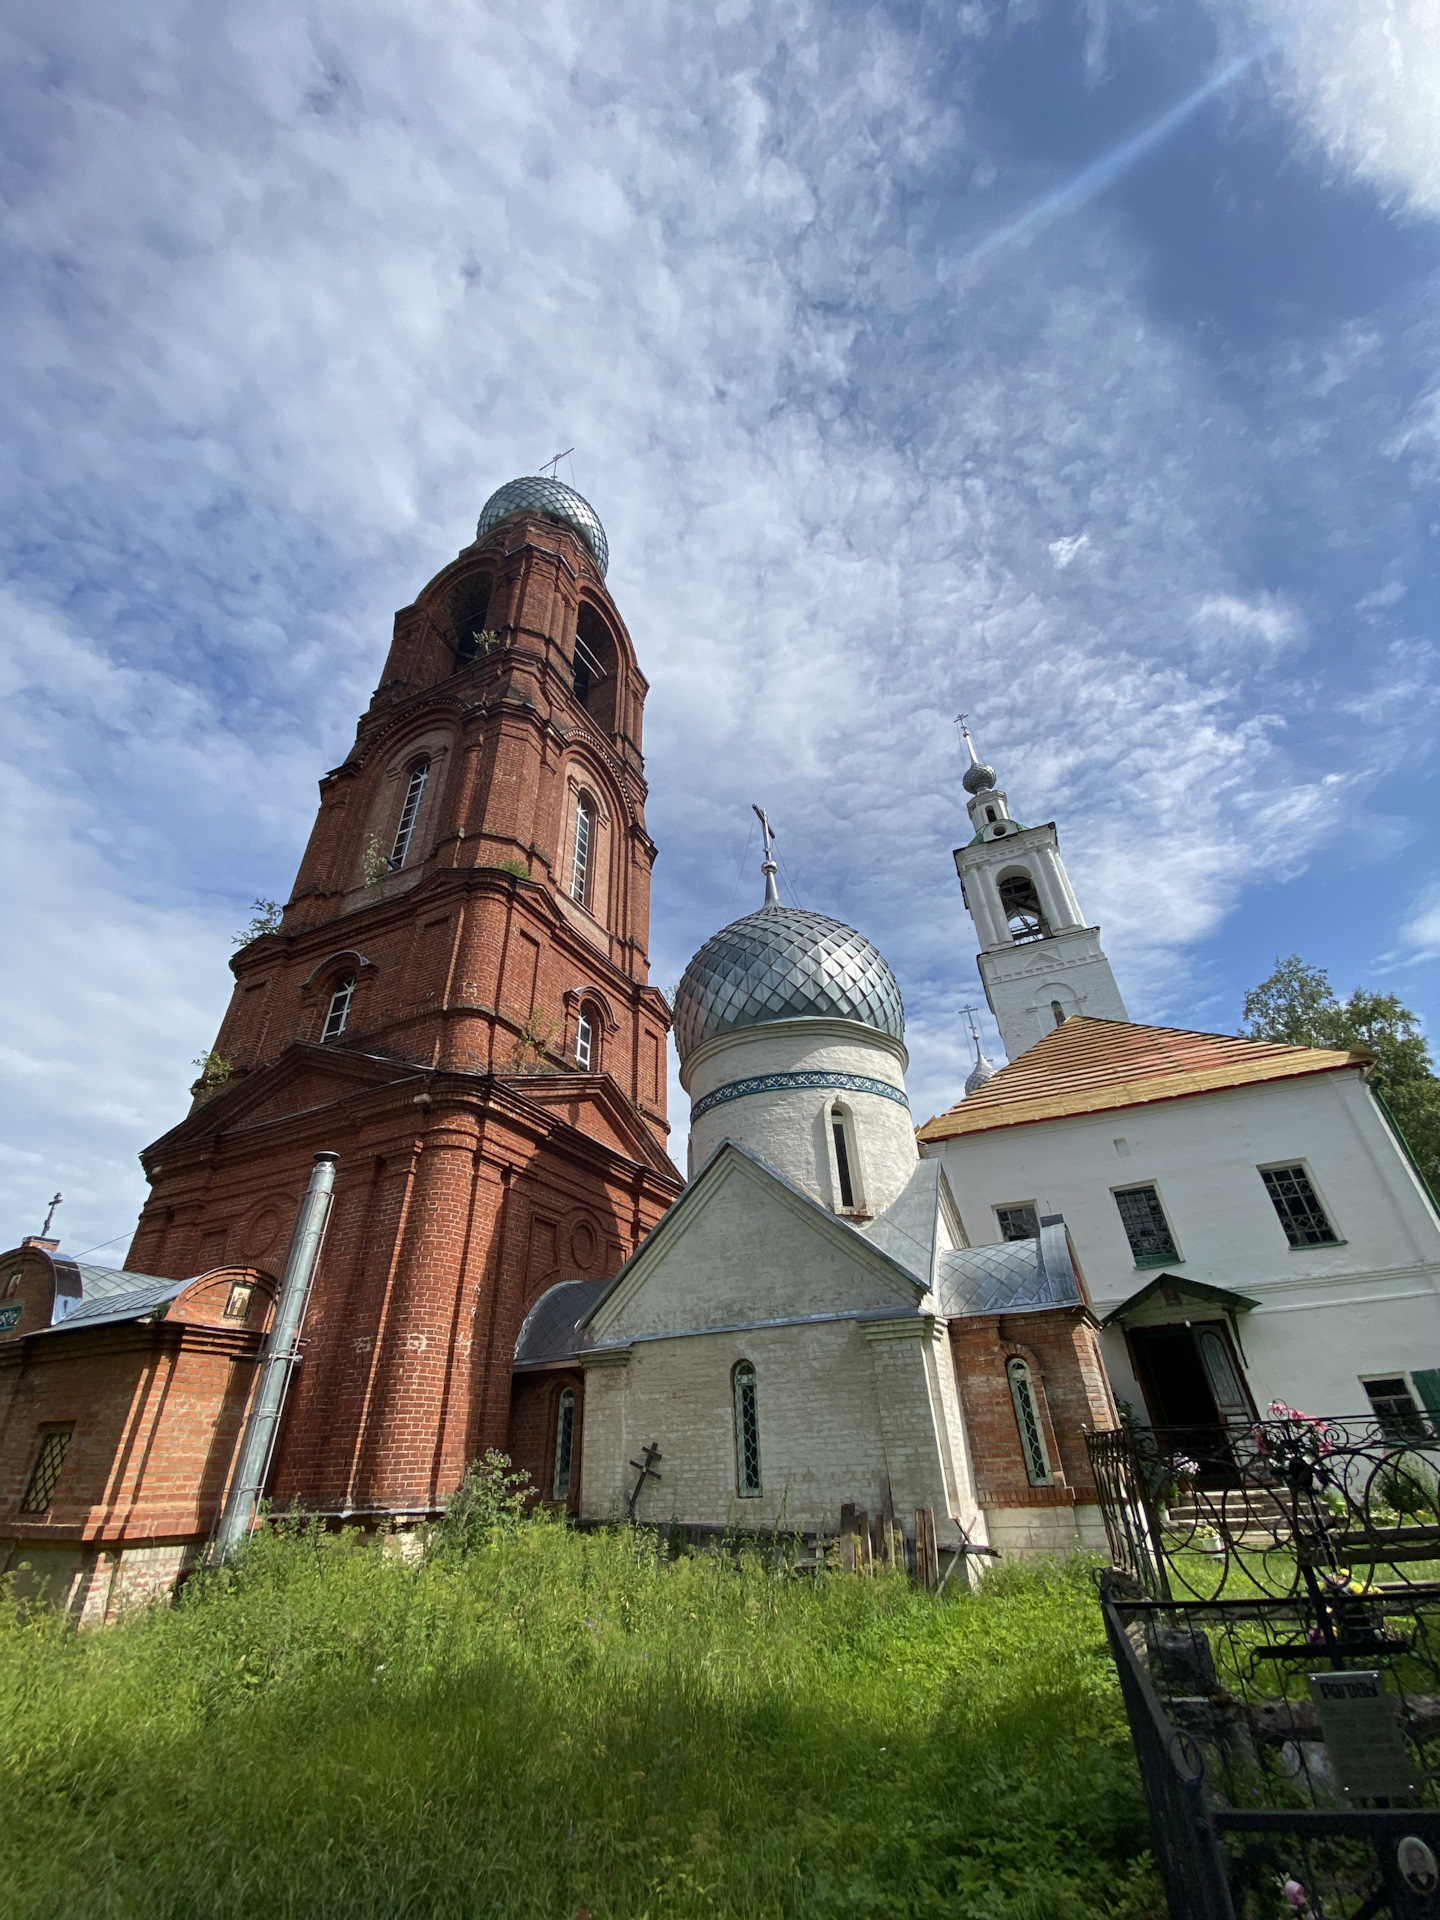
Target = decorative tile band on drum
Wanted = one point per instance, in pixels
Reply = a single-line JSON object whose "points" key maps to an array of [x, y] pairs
{"points": [[785, 1082]]}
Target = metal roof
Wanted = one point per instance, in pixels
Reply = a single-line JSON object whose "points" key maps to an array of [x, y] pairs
{"points": [[552, 1332], [133, 1304], [1018, 1276], [784, 963], [535, 493]]}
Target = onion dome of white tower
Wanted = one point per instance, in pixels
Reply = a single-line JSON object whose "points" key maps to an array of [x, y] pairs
{"points": [[535, 493], [784, 963]]}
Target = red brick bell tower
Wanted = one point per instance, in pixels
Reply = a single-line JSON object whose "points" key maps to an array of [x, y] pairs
{"points": [[456, 1002]]}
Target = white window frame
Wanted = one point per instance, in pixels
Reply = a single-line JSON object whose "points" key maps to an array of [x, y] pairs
{"points": [[337, 1016], [584, 1041], [582, 850], [409, 814]]}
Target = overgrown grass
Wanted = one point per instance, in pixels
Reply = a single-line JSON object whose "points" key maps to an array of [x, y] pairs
{"points": [[558, 1722]]}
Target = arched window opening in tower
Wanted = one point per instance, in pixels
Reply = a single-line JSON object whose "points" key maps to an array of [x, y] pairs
{"points": [[1020, 905], [470, 615], [1059, 1013], [844, 1158], [747, 1431], [1027, 1419], [593, 666], [564, 1444], [580, 852], [339, 1014], [584, 1042], [409, 814]]}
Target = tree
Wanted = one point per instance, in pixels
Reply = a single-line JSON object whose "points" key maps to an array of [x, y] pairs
{"points": [[266, 920], [1298, 1006]]}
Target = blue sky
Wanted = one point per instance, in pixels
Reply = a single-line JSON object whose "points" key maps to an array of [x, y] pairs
{"points": [[1147, 486]]}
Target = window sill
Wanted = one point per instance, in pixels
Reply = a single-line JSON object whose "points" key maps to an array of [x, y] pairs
{"points": [[1158, 1260], [1318, 1246]]}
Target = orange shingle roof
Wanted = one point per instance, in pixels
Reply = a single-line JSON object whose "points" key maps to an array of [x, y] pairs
{"points": [[1092, 1066]]}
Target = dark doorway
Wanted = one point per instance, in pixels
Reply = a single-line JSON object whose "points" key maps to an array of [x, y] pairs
{"points": [[1195, 1388]]}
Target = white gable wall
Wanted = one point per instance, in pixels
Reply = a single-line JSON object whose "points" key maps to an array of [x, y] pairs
{"points": [[1327, 1315], [856, 1394]]}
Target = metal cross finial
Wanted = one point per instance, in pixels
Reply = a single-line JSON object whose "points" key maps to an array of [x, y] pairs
{"points": [[767, 865], [969, 1013], [960, 720], [45, 1230], [554, 465]]}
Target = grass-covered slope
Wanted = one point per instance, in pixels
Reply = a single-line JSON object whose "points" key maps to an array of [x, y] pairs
{"points": [[560, 1722]]}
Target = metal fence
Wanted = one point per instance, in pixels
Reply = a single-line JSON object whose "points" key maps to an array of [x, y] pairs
{"points": [[1273, 1610]]}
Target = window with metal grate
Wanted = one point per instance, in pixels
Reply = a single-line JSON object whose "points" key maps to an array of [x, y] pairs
{"points": [[45, 1475], [564, 1444], [747, 1431], [1027, 1419], [1146, 1228], [1018, 1222], [1298, 1207]]}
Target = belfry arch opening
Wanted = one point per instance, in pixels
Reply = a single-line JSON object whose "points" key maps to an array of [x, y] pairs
{"points": [[1020, 904], [593, 665], [470, 616]]}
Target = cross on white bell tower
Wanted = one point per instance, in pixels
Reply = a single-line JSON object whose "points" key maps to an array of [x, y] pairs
{"points": [[1038, 961]]}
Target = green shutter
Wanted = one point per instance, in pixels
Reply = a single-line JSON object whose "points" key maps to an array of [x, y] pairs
{"points": [[1427, 1385]]}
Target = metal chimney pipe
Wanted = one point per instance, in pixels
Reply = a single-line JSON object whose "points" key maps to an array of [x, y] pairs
{"points": [[277, 1362]]}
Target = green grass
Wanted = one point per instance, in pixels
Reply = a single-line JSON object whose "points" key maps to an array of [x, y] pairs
{"points": [[563, 1721]]}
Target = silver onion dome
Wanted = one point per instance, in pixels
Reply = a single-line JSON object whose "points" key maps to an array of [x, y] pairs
{"points": [[978, 778], [534, 493], [979, 1074], [782, 963]]}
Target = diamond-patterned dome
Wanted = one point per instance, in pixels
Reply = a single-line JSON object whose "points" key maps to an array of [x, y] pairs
{"points": [[534, 493], [783, 963]]}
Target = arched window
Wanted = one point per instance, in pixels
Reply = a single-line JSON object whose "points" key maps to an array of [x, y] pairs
{"points": [[593, 666], [1027, 1419], [584, 1040], [564, 1444], [580, 852], [747, 1431], [1020, 905], [847, 1171], [409, 813], [470, 610], [339, 1013], [1059, 1013]]}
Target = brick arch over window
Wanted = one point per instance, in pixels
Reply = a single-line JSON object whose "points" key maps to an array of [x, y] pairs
{"points": [[400, 823], [589, 839], [595, 667]]}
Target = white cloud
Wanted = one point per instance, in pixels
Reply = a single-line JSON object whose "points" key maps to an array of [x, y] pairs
{"points": [[1421, 932], [294, 287], [1362, 77]]}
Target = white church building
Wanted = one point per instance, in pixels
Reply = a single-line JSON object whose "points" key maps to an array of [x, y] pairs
{"points": [[1249, 1224], [807, 1328]]}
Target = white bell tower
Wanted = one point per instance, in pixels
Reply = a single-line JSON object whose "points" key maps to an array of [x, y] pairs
{"points": [[1038, 960]]}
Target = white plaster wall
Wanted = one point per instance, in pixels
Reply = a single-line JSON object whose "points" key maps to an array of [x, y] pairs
{"points": [[790, 1129], [1327, 1315], [842, 1418], [1021, 981], [744, 1250]]}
